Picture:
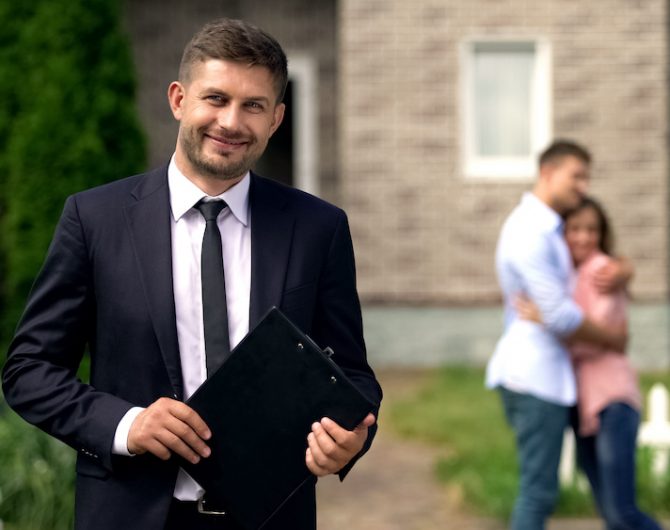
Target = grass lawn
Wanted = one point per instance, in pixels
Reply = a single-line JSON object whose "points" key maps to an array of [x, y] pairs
{"points": [[455, 411]]}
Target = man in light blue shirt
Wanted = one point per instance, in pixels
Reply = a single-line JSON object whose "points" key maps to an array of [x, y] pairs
{"points": [[531, 365]]}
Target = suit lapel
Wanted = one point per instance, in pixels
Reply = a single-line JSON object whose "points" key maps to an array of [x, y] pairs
{"points": [[148, 222], [272, 228]]}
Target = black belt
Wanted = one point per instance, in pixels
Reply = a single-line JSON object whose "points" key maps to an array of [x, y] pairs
{"points": [[208, 507], [203, 506], [199, 514]]}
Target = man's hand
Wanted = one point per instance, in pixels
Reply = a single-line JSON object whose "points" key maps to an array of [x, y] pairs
{"points": [[614, 275], [331, 447], [526, 309], [168, 426]]}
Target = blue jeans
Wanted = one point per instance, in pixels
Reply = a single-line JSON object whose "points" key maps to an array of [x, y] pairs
{"points": [[608, 459], [538, 426]]}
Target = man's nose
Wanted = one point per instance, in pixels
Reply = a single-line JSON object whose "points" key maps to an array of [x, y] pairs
{"points": [[583, 186], [229, 117]]}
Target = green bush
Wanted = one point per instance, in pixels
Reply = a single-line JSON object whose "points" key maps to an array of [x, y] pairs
{"points": [[67, 122], [70, 123], [9, 53], [37, 479]]}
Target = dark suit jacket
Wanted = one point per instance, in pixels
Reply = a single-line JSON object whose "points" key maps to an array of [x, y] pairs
{"points": [[107, 284]]}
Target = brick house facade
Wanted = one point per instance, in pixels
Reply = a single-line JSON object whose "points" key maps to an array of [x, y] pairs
{"points": [[388, 111]]}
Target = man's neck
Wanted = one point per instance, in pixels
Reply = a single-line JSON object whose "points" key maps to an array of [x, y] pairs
{"points": [[212, 186], [541, 193]]}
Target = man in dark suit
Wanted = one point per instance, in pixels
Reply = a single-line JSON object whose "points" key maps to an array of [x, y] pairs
{"points": [[129, 275]]}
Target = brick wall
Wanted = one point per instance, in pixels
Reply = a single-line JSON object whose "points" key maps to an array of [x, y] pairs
{"points": [[425, 233]]}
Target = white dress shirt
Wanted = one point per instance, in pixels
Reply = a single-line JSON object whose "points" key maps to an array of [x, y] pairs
{"points": [[532, 258], [188, 228]]}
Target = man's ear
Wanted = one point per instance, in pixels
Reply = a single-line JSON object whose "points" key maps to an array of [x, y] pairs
{"points": [[176, 92], [546, 171], [277, 118]]}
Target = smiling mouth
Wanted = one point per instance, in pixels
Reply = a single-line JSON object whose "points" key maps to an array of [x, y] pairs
{"points": [[227, 143]]}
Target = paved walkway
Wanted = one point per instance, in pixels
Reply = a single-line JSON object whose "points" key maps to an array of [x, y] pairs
{"points": [[393, 486]]}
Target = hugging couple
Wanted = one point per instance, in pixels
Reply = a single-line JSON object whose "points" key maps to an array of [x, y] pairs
{"points": [[561, 359]]}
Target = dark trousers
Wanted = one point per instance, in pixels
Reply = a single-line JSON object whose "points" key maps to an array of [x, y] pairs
{"points": [[608, 459]]}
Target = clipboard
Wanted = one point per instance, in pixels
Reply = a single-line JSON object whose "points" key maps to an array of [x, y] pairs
{"points": [[260, 405]]}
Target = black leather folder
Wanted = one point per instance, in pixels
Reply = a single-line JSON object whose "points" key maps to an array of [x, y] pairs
{"points": [[260, 406]]}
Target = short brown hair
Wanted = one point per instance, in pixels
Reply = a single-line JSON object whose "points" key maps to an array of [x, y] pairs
{"points": [[236, 40], [562, 148]]}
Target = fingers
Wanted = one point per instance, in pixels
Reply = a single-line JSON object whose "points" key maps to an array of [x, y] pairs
{"points": [[344, 437], [606, 278], [331, 447], [168, 426], [368, 421], [315, 468], [191, 418], [526, 309], [325, 454]]}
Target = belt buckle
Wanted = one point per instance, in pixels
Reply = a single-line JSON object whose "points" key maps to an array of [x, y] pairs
{"points": [[203, 510]]}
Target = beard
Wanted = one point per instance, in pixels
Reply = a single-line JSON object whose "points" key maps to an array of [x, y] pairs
{"points": [[219, 167]]}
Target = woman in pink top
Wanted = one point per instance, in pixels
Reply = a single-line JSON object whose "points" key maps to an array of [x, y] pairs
{"points": [[608, 394]]}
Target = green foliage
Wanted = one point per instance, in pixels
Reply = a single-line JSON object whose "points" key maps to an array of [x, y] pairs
{"points": [[653, 492], [69, 124], [37, 479], [455, 411]]}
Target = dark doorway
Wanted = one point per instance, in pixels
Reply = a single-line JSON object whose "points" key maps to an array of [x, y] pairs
{"points": [[277, 161]]}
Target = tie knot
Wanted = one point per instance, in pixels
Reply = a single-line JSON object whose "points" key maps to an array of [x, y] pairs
{"points": [[210, 209]]}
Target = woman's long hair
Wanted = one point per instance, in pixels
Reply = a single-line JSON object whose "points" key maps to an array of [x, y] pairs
{"points": [[606, 239]]}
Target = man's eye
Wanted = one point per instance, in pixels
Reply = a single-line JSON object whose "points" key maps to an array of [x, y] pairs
{"points": [[215, 99], [254, 105]]}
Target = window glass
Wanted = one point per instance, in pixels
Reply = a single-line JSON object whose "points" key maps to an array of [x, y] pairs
{"points": [[506, 106], [502, 94]]}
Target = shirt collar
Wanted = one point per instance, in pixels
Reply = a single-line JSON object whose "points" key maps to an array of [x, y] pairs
{"points": [[184, 194], [544, 217]]}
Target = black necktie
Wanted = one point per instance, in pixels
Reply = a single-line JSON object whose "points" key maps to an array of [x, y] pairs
{"points": [[214, 310]]}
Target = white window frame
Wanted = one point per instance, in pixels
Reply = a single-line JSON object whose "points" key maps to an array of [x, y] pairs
{"points": [[541, 111], [302, 72]]}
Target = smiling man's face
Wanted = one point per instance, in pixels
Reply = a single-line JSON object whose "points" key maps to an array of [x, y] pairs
{"points": [[227, 112]]}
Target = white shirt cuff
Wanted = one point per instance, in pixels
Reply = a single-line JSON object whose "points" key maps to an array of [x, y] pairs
{"points": [[120, 445]]}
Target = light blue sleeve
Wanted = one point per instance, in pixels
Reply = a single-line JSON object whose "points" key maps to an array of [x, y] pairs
{"points": [[544, 281]]}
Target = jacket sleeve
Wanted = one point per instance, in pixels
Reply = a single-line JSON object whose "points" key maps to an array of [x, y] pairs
{"points": [[338, 322], [39, 377]]}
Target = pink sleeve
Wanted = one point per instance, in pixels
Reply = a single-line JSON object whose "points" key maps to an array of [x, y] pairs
{"points": [[600, 308]]}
